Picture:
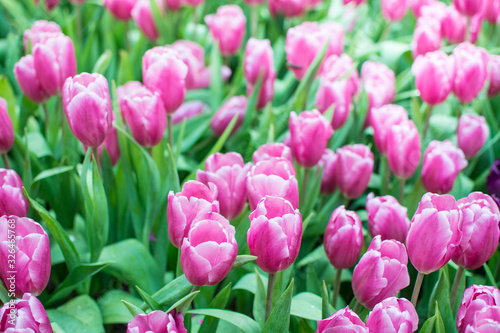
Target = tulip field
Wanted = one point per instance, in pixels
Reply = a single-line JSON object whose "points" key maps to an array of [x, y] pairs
{"points": [[249, 166]]}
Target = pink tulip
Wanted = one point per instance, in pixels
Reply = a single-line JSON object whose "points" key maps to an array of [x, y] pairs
{"points": [[393, 315], [209, 250], [111, 145], [127, 91], [121, 9], [494, 64], [164, 72], [453, 25], [270, 150], [344, 320], [288, 8], [387, 218], [12, 201], [303, 43], [193, 3], [343, 238], [394, 10], [403, 149], [158, 322], [434, 233], [273, 177], [32, 255], [254, 2], [189, 110], [480, 233], [174, 5], [416, 5], [382, 120], [436, 10], [49, 4], [442, 163], [6, 129], [229, 173], [266, 92], [434, 76], [472, 71], [475, 298], [491, 11], [379, 83], [87, 105], [341, 68], [275, 234], [143, 17], [469, 7], [486, 320], [354, 169], [328, 163], [310, 132], [355, 2], [473, 131], [28, 81], [227, 27], [184, 207], [381, 272], [258, 61], [29, 313], [235, 106], [476, 23], [426, 37], [39, 31]]}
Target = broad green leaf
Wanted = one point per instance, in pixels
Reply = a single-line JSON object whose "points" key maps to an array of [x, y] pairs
{"points": [[81, 314], [279, 320], [216, 82], [441, 296], [248, 283], [434, 324], [52, 172], [56, 328], [150, 301], [184, 303], [243, 260], [4, 294], [133, 309], [102, 63], [325, 302], [175, 290], [219, 302], [113, 310], [245, 323], [259, 301], [38, 145], [7, 93], [309, 306]]}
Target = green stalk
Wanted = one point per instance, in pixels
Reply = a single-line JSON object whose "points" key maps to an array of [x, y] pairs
{"points": [[95, 153], [402, 183], [336, 290], [6, 162], [416, 288], [269, 298], [254, 20], [170, 131], [305, 181], [427, 120], [456, 284], [357, 307]]}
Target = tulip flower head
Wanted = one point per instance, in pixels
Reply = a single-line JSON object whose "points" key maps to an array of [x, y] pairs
{"points": [[6, 129], [387, 218], [31, 316], [344, 320], [393, 315], [473, 131], [354, 169], [475, 298], [12, 201], [227, 27], [158, 322]]}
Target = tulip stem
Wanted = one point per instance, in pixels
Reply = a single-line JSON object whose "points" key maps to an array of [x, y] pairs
{"points": [[170, 132], [416, 289], [178, 268], [78, 23], [46, 120], [254, 20], [303, 190], [95, 153], [402, 183], [427, 120], [127, 39], [456, 284], [6, 162], [387, 175], [356, 307], [150, 151], [336, 290], [270, 289]]}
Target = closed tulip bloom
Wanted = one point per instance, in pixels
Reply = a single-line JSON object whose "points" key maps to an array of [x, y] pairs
{"points": [[354, 169], [472, 71], [189, 110], [475, 298], [184, 207], [304, 42], [310, 132], [30, 316], [416, 5], [121, 9], [340, 68], [343, 320], [174, 5], [49, 4], [12, 201], [382, 120], [436, 9], [491, 11], [193, 3], [266, 92], [111, 145], [28, 81], [381, 272], [426, 37], [163, 71], [493, 182], [288, 8], [473, 131], [394, 10], [129, 90], [143, 17], [379, 83], [328, 163], [87, 105], [393, 315], [434, 76], [158, 322], [39, 31], [403, 149], [6, 129], [480, 232], [387, 218], [209, 250], [486, 320], [434, 233], [453, 25], [254, 2], [273, 177], [229, 173], [235, 106], [270, 150], [494, 65], [442, 163], [227, 27], [343, 238], [469, 7], [275, 234], [32, 255], [258, 60]]}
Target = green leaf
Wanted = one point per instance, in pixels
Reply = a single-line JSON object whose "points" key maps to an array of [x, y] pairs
{"points": [[259, 301], [102, 63], [175, 290], [56, 328], [81, 314], [4, 294], [184, 303], [113, 310], [219, 302], [7, 93], [52, 172], [245, 323], [279, 320], [243, 260], [325, 302], [309, 306], [150, 301], [441, 296], [489, 275], [38, 145], [248, 283], [434, 324], [134, 310], [216, 82]]}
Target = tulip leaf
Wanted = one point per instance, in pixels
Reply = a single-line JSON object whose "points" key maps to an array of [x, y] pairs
{"points": [[434, 324], [4, 294], [102, 63], [113, 310], [248, 283], [150, 301], [52, 172], [243, 322], [490, 278], [309, 306], [243, 260], [325, 302], [216, 82], [219, 302], [251, 110], [259, 301], [169, 294], [56, 328], [81, 314], [441, 295], [133, 309], [184, 303], [7, 93], [279, 320]]}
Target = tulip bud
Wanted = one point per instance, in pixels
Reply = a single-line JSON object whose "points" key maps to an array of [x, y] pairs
{"points": [[49, 4], [416, 5], [6, 129], [87, 105], [209, 250], [403, 149], [343, 238], [32, 253], [143, 17], [434, 76], [129, 90], [111, 145], [493, 182], [288, 8], [328, 163], [189, 110], [275, 234], [442, 163], [183, 208], [12, 201], [473, 131], [381, 272], [469, 7], [387, 218], [393, 315], [39, 31], [426, 37], [121, 9], [158, 322], [344, 320], [453, 25], [494, 65], [382, 120], [258, 60], [491, 11], [394, 10], [28, 81], [475, 298], [270, 150], [304, 42], [30, 316], [434, 233], [354, 169], [379, 83], [164, 72], [229, 174], [472, 71], [193, 3], [486, 320], [273, 177], [310, 132], [235, 106], [227, 27]]}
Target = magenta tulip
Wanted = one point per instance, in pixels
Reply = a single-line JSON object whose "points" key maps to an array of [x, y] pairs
{"points": [[254, 2], [209, 250], [143, 17], [227, 27], [193, 3], [111, 145], [49, 4], [30, 316], [184, 207], [121, 9], [275, 234], [354, 169], [387, 218], [486, 320], [403, 149], [127, 91], [355, 2], [475, 298], [258, 60], [270, 150], [426, 37], [174, 5], [381, 272], [344, 320], [157, 322], [416, 5], [453, 25], [343, 238], [6, 129], [28, 81], [394, 10], [494, 87], [328, 163], [235, 106], [469, 7], [40, 30], [379, 83], [393, 315], [473, 131], [491, 11], [288, 8], [472, 71], [189, 110], [382, 120], [12, 201]]}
